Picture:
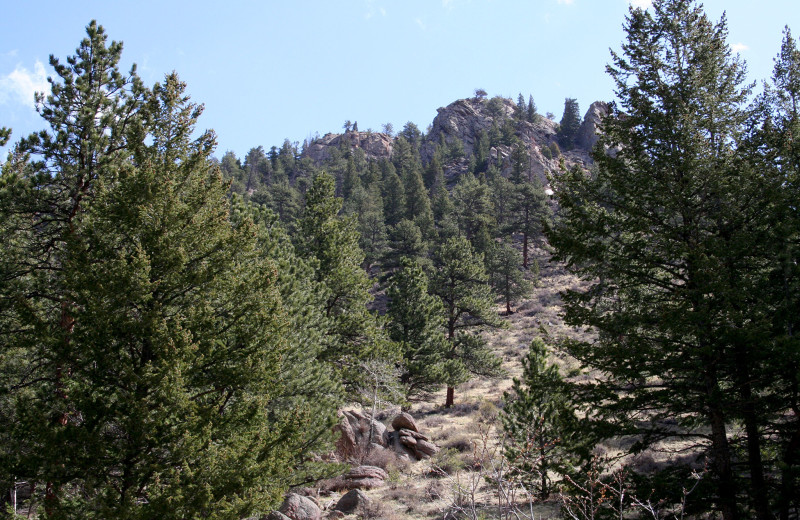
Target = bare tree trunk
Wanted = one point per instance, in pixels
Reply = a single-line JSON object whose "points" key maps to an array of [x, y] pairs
{"points": [[451, 392], [525, 250]]}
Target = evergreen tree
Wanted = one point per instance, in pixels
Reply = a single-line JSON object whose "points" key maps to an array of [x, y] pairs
{"points": [[542, 430], [520, 109], [418, 204], [415, 322], [473, 206], [481, 152], [506, 273], [668, 231], [531, 114], [459, 279], [257, 169], [434, 173], [331, 243], [284, 199], [143, 313], [232, 169], [520, 162], [405, 241], [528, 211], [394, 198], [309, 388], [570, 124], [367, 208], [351, 179], [412, 134], [777, 152]]}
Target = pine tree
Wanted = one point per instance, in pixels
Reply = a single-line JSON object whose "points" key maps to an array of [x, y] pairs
{"points": [[284, 199], [775, 145], [570, 124], [531, 114], [418, 204], [405, 241], [367, 207], [257, 169], [147, 388], [473, 206], [540, 424], [668, 232], [416, 323], [520, 109], [459, 279], [528, 211], [394, 198], [507, 275], [520, 162], [331, 243], [309, 388]]}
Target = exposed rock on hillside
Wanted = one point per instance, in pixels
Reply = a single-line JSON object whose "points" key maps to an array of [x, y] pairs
{"points": [[364, 477], [587, 134], [351, 501], [355, 428], [298, 507], [406, 441], [375, 145], [463, 121]]}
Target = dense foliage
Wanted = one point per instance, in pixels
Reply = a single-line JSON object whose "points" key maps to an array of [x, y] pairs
{"points": [[178, 332], [683, 232]]}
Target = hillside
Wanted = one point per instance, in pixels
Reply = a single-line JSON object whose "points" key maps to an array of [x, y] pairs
{"points": [[464, 123]]}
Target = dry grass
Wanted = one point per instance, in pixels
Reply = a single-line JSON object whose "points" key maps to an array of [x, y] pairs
{"points": [[426, 489]]}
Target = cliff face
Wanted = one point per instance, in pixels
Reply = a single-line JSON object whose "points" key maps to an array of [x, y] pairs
{"points": [[464, 120], [375, 145], [587, 135]]}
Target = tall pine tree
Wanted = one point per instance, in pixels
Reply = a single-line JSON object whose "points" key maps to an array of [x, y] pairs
{"points": [[669, 233], [153, 329]]}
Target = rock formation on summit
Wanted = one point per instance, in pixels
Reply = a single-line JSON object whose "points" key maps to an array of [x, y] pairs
{"points": [[464, 121], [375, 145]]}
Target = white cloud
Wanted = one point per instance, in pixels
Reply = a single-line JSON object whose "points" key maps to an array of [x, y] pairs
{"points": [[20, 85], [372, 10], [739, 47], [642, 4], [566, 2], [420, 23]]}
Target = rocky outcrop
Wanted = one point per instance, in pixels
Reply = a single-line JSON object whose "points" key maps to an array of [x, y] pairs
{"points": [[404, 421], [375, 145], [364, 477], [463, 121], [275, 515], [406, 440], [355, 428], [298, 507], [351, 501], [587, 134], [413, 443]]}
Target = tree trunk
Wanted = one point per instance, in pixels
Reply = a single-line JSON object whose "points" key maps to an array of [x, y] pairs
{"points": [[788, 491], [721, 453], [755, 463], [525, 250], [450, 396]]}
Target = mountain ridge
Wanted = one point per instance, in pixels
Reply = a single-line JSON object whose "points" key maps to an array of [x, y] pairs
{"points": [[463, 123]]}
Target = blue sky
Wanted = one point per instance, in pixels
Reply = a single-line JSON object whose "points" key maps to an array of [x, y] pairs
{"points": [[271, 70]]}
